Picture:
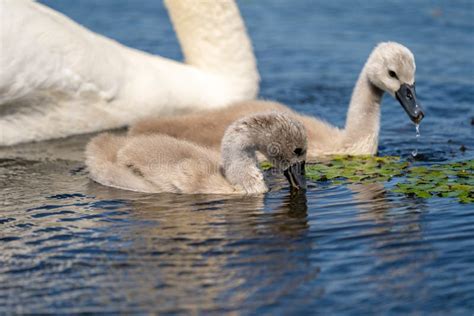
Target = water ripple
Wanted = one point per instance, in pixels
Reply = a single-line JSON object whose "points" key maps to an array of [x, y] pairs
{"points": [[71, 246]]}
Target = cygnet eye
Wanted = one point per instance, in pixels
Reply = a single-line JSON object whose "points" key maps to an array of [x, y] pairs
{"points": [[392, 74], [298, 151]]}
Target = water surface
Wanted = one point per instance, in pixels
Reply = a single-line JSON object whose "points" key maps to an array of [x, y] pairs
{"points": [[70, 245]]}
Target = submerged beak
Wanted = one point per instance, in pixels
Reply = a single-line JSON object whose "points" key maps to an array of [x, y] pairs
{"points": [[295, 175], [406, 95]]}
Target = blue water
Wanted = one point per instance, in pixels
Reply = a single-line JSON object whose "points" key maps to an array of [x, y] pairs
{"points": [[68, 245]]}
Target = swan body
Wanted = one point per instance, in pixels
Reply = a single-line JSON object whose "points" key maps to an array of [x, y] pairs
{"points": [[58, 78], [160, 163], [360, 135]]}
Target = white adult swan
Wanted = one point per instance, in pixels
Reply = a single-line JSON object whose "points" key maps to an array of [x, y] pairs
{"points": [[160, 163], [57, 78], [390, 68]]}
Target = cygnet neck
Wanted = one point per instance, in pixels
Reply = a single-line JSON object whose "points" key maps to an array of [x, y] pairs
{"points": [[239, 160], [363, 116]]}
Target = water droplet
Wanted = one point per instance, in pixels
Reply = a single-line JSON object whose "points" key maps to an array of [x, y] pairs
{"points": [[414, 153]]}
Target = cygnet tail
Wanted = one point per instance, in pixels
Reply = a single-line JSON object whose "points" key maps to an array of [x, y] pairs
{"points": [[104, 168]]}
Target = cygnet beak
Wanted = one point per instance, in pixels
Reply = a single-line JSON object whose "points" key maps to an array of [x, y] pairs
{"points": [[296, 175], [406, 95]]}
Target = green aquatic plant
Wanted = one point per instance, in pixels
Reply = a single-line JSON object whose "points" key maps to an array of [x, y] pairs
{"points": [[442, 180], [454, 179], [357, 169], [447, 180], [265, 165]]}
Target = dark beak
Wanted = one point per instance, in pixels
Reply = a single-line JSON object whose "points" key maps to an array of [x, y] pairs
{"points": [[295, 175], [406, 95]]}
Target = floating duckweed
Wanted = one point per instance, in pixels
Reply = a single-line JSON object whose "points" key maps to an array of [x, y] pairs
{"points": [[447, 180], [265, 165], [453, 180], [360, 169]]}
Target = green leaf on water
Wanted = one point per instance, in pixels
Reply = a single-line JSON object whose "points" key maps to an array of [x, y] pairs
{"points": [[451, 180], [265, 165], [422, 194], [454, 179], [464, 198]]}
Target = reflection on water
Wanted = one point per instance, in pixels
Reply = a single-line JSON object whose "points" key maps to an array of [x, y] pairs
{"points": [[187, 251], [396, 240], [91, 248], [70, 245]]}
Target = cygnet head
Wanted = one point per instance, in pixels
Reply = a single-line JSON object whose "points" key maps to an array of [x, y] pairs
{"points": [[391, 68], [280, 137], [282, 140]]}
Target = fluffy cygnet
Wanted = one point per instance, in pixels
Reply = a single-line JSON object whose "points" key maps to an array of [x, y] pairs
{"points": [[390, 68], [161, 163]]}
